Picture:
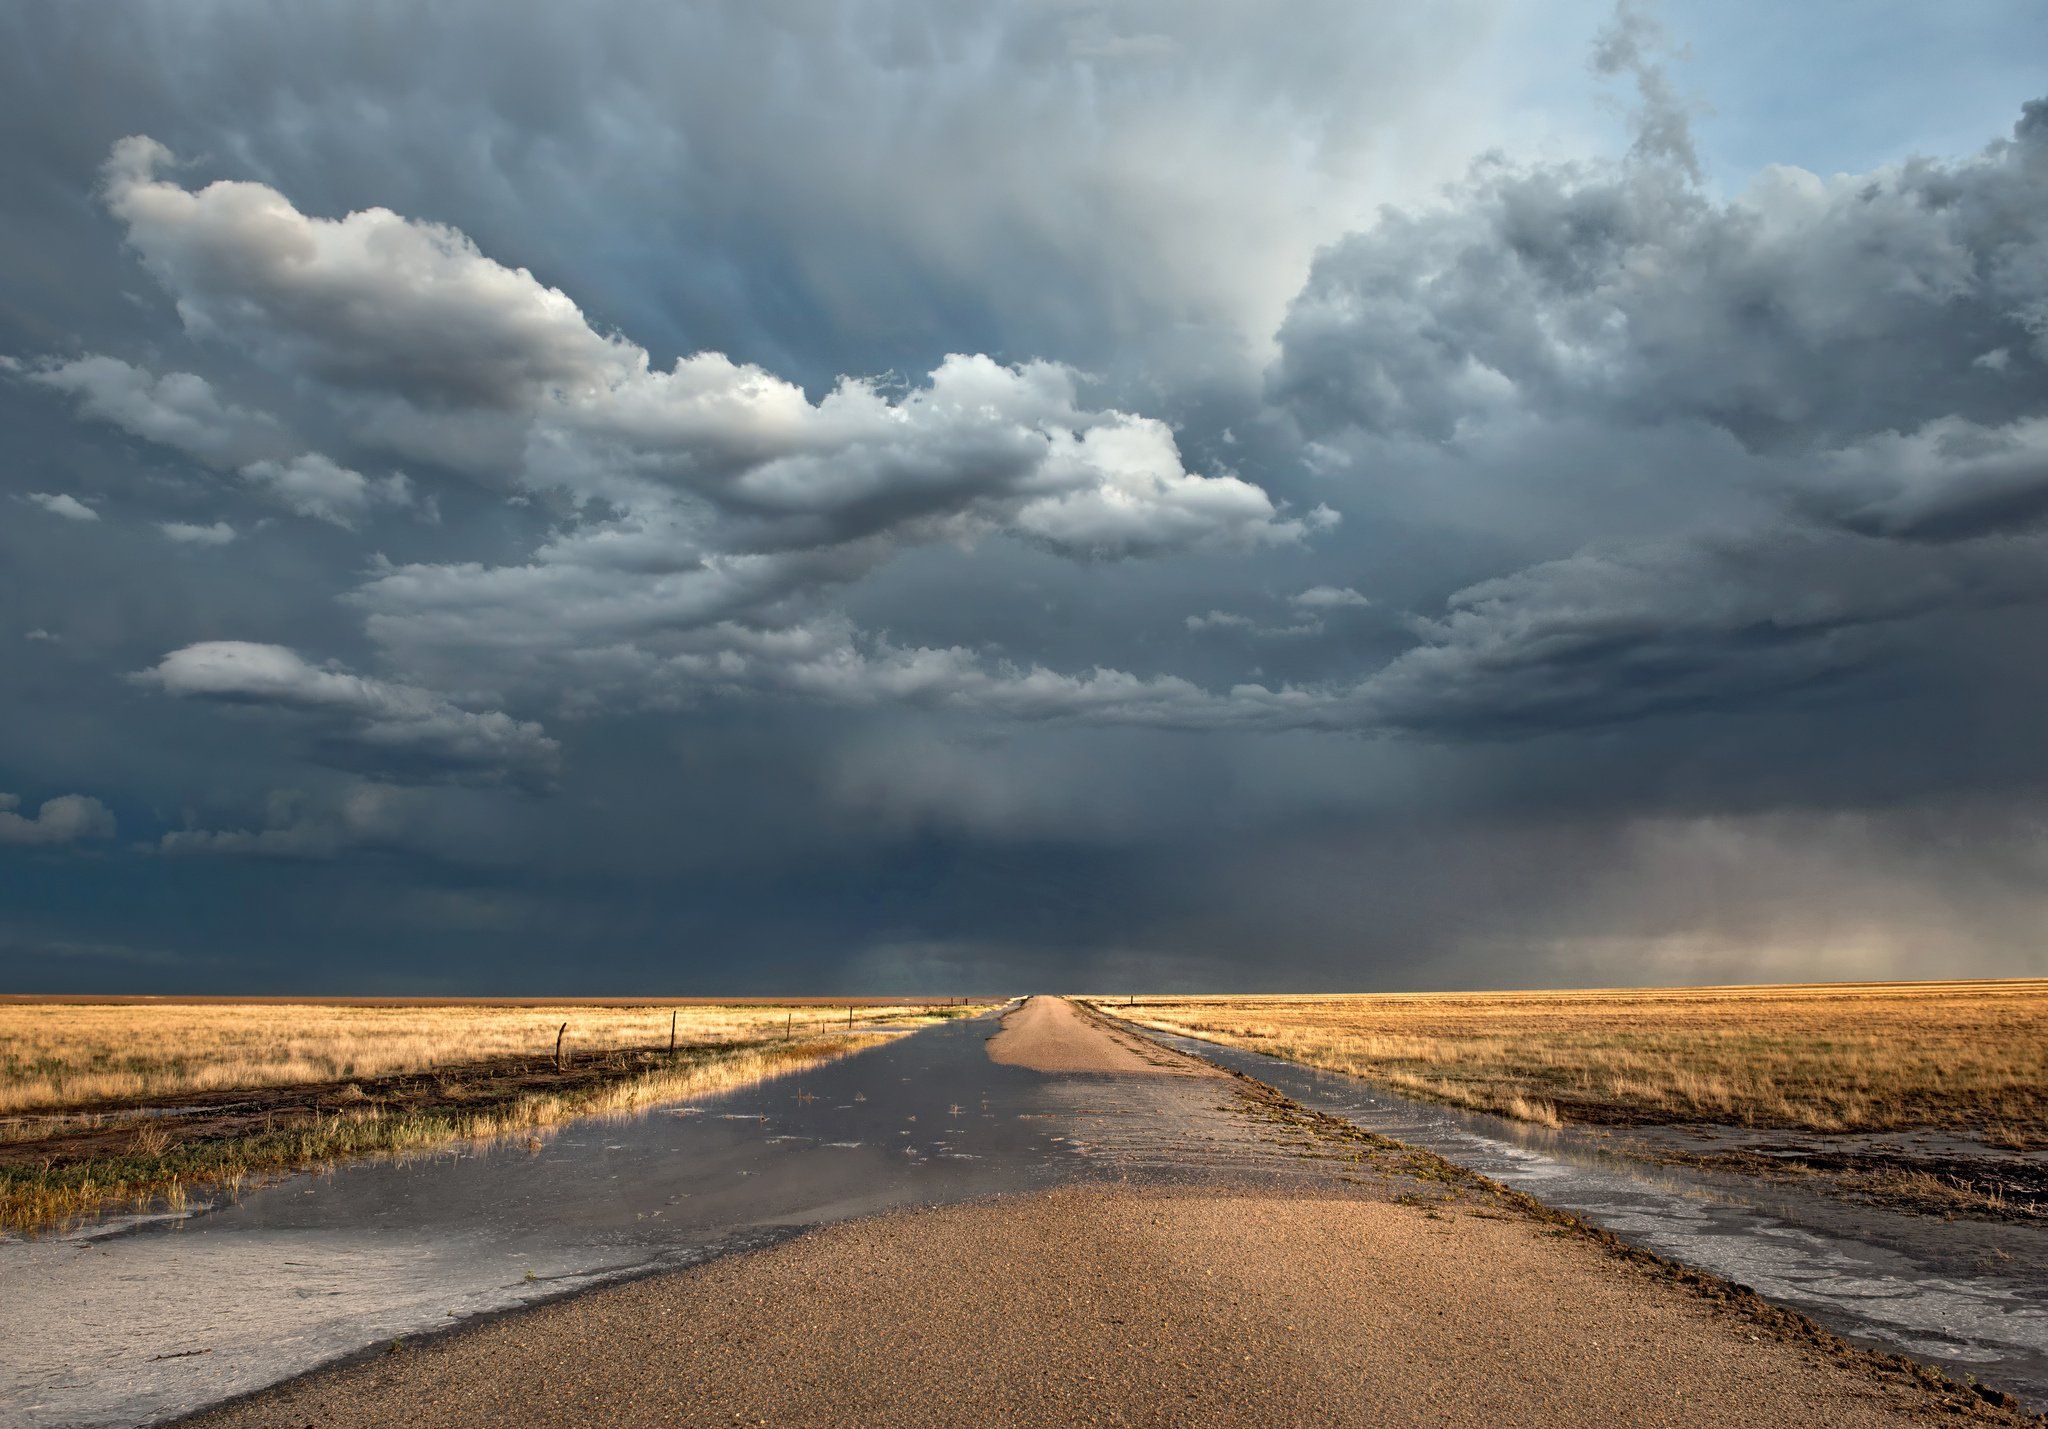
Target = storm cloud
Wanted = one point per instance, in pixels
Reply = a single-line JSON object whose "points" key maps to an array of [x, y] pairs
{"points": [[62, 820], [698, 499]]}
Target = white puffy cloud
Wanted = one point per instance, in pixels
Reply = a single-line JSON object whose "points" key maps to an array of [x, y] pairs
{"points": [[1329, 597], [716, 502], [371, 300], [397, 730], [60, 503], [1220, 620], [65, 819], [415, 317], [190, 533], [1233, 620], [312, 485], [182, 411], [179, 410]]}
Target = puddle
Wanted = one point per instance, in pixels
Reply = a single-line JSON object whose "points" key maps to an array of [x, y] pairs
{"points": [[160, 1316], [1971, 1296]]}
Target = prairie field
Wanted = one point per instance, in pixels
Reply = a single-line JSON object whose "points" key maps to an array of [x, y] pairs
{"points": [[266, 1087], [1970, 1057], [75, 1053]]}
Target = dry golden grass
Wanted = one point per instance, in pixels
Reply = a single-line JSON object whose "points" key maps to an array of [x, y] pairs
{"points": [[1968, 1056], [74, 1053], [160, 1167]]}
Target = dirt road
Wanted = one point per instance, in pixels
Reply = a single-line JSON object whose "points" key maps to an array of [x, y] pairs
{"points": [[1298, 1284], [1047, 1034]]}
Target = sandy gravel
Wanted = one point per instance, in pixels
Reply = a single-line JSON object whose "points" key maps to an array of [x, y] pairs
{"points": [[1113, 1305], [1049, 1034]]}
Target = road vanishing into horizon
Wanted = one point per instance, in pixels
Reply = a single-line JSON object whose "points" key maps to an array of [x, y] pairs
{"points": [[1069, 1219]]}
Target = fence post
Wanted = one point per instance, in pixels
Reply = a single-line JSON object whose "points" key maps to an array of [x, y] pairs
{"points": [[559, 1064], [672, 1032]]}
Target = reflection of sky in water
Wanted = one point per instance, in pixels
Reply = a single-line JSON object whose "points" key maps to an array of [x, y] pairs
{"points": [[1973, 1295], [104, 1326]]}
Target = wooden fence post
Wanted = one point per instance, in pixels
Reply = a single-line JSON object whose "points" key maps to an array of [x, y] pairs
{"points": [[558, 1046], [672, 1033]]}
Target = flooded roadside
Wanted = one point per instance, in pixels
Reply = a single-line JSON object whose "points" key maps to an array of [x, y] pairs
{"points": [[161, 1316], [1970, 1296]]}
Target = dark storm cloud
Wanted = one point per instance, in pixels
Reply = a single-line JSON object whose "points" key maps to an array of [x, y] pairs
{"points": [[1876, 342], [1607, 637], [1946, 481], [1163, 165], [450, 419], [297, 826], [1804, 313]]}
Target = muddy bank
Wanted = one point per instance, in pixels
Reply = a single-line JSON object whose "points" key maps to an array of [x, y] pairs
{"points": [[1949, 1178]]}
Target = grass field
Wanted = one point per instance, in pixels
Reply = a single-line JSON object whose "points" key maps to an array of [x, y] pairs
{"points": [[261, 1088], [75, 1053], [1970, 1057]]}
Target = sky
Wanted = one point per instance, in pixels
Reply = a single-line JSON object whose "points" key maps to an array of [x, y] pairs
{"points": [[905, 497]]}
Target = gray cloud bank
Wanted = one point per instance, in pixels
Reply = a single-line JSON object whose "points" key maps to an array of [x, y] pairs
{"points": [[68, 818], [487, 542]]}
